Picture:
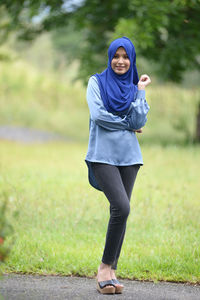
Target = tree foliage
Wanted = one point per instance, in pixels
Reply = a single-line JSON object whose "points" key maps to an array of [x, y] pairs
{"points": [[95, 21], [166, 32]]}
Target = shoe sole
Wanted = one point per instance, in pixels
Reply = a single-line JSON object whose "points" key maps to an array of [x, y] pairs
{"points": [[106, 289]]}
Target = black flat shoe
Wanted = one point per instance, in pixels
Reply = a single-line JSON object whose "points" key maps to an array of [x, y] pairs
{"points": [[118, 287], [106, 287]]}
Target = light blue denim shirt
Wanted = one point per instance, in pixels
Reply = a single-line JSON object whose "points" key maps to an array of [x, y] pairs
{"points": [[112, 139]]}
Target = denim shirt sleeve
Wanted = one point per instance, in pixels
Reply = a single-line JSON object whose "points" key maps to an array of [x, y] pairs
{"points": [[138, 110], [135, 118], [98, 112]]}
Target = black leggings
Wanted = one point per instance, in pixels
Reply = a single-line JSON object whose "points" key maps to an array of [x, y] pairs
{"points": [[117, 183]]}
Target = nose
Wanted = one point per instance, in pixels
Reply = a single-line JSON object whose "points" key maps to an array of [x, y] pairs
{"points": [[120, 60]]}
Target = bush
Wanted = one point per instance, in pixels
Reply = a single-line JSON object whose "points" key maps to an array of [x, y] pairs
{"points": [[6, 229]]}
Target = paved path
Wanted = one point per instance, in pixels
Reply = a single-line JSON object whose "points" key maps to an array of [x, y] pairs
{"points": [[27, 135], [29, 287]]}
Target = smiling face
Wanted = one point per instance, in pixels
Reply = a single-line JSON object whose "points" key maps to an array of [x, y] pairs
{"points": [[120, 62]]}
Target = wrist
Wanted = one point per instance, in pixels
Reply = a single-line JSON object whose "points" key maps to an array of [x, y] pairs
{"points": [[141, 87], [140, 94]]}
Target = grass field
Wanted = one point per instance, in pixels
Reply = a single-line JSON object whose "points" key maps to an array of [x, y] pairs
{"points": [[62, 220]]}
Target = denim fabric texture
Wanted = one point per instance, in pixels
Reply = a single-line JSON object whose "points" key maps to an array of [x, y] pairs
{"points": [[111, 137]]}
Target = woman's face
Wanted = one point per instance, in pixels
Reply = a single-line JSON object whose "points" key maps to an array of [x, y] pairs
{"points": [[120, 62]]}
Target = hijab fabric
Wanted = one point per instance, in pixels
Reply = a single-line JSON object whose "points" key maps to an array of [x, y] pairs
{"points": [[117, 91]]}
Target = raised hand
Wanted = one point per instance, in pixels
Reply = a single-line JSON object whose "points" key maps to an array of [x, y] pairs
{"points": [[143, 82]]}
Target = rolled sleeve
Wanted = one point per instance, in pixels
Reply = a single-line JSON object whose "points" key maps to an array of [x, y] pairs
{"points": [[138, 112]]}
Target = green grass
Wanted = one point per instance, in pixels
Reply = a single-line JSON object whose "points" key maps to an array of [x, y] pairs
{"points": [[62, 220], [42, 100]]}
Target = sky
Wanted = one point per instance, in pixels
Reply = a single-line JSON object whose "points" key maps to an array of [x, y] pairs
{"points": [[68, 5]]}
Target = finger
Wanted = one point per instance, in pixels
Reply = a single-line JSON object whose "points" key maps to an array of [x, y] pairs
{"points": [[144, 76], [146, 80]]}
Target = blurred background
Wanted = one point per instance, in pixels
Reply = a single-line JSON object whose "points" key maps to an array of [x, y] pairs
{"points": [[49, 49]]}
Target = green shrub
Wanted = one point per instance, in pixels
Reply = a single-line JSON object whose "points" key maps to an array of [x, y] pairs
{"points": [[6, 229]]}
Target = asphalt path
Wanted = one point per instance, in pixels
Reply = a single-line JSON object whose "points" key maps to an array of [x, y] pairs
{"points": [[35, 287], [28, 135]]}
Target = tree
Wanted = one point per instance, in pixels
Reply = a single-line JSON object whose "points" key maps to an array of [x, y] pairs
{"points": [[29, 18], [166, 32], [95, 21]]}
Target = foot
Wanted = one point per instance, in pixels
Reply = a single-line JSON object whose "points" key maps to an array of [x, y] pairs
{"points": [[102, 276], [104, 272]]}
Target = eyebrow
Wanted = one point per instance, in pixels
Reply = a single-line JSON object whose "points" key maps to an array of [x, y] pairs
{"points": [[124, 54]]}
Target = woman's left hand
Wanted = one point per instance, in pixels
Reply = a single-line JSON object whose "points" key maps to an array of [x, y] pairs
{"points": [[143, 82]]}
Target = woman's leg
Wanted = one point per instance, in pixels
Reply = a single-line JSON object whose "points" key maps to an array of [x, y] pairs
{"points": [[128, 175], [110, 181]]}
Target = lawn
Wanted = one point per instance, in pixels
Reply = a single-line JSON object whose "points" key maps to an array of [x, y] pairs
{"points": [[62, 220]]}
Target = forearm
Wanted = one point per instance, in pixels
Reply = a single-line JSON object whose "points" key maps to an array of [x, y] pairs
{"points": [[138, 113]]}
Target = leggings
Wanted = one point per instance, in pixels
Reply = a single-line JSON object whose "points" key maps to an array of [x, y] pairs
{"points": [[117, 183]]}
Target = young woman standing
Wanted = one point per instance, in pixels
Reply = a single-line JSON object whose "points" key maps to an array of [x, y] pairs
{"points": [[118, 109]]}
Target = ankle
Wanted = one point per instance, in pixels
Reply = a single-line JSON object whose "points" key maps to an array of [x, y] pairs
{"points": [[113, 275], [104, 267], [103, 273]]}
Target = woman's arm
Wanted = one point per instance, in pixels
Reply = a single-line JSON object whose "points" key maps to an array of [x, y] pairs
{"points": [[98, 112], [139, 108], [138, 112]]}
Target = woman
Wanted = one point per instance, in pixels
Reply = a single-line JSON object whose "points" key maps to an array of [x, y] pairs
{"points": [[118, 109]]}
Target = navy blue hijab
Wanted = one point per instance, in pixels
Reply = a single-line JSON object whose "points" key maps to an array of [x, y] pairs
{"points": [[117, 91]]}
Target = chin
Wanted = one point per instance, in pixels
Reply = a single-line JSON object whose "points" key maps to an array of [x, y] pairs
{"points": [[120, 72]]}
